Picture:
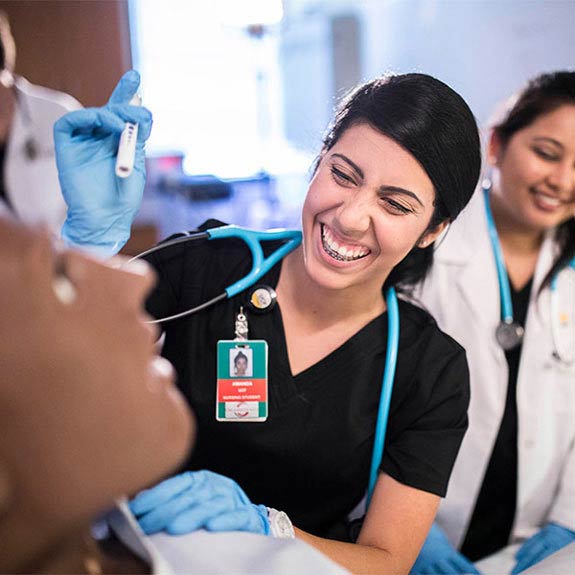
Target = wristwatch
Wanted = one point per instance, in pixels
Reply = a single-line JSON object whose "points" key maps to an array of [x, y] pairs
{"points": [[280, 524]]}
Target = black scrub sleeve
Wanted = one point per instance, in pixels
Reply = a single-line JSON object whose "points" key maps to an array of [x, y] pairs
{"points": [[431, 420]]}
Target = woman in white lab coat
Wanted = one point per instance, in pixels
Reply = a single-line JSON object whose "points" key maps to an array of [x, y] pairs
{"points": [[29, 185], [514, 478]]}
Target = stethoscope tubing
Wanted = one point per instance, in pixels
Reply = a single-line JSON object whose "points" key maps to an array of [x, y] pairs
{"points": [[504, 289], [260, 264], [31, 148], [558, 353], [386, 389]]}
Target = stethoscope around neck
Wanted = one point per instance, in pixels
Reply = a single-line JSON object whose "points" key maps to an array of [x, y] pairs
{"points": [[558, 351], [30, 147], [509, 333], [260, 266]]}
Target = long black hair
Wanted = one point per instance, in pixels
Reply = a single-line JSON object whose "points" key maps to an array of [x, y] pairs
{"points": [[435, 125], [540, 96]]}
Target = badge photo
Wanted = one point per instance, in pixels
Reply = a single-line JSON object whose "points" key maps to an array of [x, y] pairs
{"points": [[242, 380]]}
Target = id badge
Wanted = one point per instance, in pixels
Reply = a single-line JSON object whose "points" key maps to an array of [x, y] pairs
{"points": [[242, 380]]}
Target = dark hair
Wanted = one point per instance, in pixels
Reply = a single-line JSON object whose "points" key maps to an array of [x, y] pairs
{"points": [[435, 125], [239, 356], [542, 95]]}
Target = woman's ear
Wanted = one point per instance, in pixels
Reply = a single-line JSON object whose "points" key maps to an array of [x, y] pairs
{"points": [[493, 148], [429, 237]]}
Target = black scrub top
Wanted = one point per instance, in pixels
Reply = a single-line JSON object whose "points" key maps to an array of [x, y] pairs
{"points": [[311, 457]]}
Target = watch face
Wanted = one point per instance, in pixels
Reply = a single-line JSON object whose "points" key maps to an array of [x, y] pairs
{"points": [[509, 335]]}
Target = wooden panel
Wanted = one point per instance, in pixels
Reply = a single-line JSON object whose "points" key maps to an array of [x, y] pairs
{"points": [[81, 47]]}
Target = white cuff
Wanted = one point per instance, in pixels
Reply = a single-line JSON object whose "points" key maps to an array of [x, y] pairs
{"points": [[280, 525]]}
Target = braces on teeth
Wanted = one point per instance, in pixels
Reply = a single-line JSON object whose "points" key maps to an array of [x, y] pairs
{"points": [[337, 255]]}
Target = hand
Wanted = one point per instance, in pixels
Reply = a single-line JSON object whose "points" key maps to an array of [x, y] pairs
{"points": [[546, 541], [101, 206], [198, 499], [438, 556]]}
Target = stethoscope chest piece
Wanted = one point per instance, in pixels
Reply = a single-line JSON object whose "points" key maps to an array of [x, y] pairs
{"points": [[509, 334], [262, 299]]}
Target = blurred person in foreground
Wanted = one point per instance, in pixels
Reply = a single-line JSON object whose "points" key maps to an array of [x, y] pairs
{"points": [[29, 187]]}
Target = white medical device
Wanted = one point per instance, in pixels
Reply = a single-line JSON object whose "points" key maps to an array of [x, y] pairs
{"points": [[127, 146]]}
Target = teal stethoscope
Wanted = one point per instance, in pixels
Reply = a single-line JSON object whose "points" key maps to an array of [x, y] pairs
{"points": [[260, 266], [509, 333]]}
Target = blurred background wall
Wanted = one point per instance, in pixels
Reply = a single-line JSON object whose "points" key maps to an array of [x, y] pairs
{"points": [[78, 46], [242, 90]]}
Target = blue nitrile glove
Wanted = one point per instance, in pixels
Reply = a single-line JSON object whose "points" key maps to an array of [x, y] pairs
{"points": [[439, 557], [546, 541], [101, 206], [195, 500]]}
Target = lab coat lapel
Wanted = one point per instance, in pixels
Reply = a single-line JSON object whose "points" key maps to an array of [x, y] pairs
{"points": [[467, 246], [531, 395]]}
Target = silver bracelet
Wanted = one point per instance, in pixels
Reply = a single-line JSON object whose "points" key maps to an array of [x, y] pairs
{"points": [[280, 525]]}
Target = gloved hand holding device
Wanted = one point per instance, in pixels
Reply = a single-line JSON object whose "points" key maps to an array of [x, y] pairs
{"points": [[101, 206], [438, 556], [195, 500], [545, 542]]}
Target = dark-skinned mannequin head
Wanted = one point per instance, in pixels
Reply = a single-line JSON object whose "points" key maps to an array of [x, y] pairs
{"points": [[89, 411]]}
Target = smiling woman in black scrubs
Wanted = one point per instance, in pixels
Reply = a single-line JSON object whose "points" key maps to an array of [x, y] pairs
{"points": [[400, 161]]}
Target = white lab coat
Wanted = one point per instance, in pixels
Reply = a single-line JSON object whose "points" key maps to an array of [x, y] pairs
{"points": [[462, 293], [32, 183]]}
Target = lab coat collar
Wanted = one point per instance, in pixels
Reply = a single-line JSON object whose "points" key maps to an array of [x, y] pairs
{"points": [[467, 248], [462, 241], [467, 245]]}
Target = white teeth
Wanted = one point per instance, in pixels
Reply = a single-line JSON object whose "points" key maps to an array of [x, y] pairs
{"points": [[338, 252], [549, 201]]}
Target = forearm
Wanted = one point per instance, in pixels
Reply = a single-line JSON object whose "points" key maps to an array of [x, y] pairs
{"points": [[364, 559], [392, 534]]}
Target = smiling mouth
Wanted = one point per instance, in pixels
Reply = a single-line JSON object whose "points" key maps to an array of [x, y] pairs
{"points": [[341, 253], [548, 201]]}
